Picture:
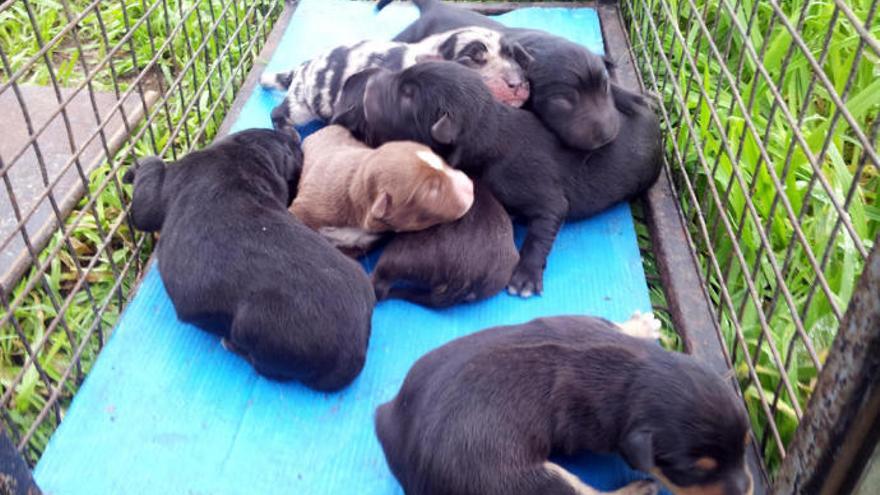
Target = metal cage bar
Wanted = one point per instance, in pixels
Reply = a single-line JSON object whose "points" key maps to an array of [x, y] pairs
{"points": [[97, 84], [772, 162]]}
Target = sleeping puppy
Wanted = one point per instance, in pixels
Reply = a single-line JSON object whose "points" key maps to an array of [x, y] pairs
{"points": [[351, 193], [313, 88], [237, 264], [571, 90], [532, 174], [482, 414], [466, 260], [349, 111]]}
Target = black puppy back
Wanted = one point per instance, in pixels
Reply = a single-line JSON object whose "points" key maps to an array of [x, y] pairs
{"points": [[237, 264]]}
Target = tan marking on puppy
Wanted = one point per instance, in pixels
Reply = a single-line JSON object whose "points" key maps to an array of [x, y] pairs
{"points": [[706, 463], [642, 487], [642, 326], [359, 192]]}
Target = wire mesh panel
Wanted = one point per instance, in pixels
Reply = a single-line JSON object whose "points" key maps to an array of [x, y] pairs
{"points": [[770, 109], [85, 88]]}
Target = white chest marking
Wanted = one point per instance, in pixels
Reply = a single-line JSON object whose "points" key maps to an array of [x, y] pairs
{"points": [[348, 237]]}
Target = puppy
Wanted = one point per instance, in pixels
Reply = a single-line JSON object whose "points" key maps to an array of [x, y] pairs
{"points": [[313, 87], [570, 85], [349, 112], [237, 264], [466, 260], [532, 174], [351, 193], [482, 414]]}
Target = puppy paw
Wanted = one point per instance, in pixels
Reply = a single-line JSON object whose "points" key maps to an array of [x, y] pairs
{"points": [[641, 325], [382, 288], [643, 487], [231, 347], [526, 281]]}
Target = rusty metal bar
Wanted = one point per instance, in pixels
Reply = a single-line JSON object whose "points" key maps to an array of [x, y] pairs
{"points": [[689, 304], [196, 77], [842, 423]]}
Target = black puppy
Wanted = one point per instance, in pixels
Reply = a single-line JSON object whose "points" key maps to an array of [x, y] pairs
{"points": [[482, 414], [530, 172], [238, 265], [570, 85], [469, 259], [349, 110]]}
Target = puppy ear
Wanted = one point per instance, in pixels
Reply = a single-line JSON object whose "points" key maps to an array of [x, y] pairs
{"points": [[148, 198], [522, 56], [344, 116], [637, 450], [610, 66], [150, 161], [445, 130], [381, 206]]}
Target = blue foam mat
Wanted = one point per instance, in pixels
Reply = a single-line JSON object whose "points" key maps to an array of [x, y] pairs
{"points": [[167, 410]]}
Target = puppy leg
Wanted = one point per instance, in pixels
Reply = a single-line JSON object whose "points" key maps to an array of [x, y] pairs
{"points": [[291, 113], [381, 284], [528, 276], [231, 347], [642, 326], [572, 484]]}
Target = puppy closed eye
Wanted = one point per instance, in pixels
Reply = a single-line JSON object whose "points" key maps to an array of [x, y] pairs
{"points": [[407, 91], [561, 104], [473, 55]]}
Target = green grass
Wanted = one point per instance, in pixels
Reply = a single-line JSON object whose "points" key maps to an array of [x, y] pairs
{"points": [[101, 248], [838, 167]]}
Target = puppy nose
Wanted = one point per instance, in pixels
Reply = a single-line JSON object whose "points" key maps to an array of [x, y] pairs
{"points": [[516, 82]]}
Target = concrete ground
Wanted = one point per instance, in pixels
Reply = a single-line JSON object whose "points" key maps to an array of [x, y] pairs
{"points": [[28, 182]]}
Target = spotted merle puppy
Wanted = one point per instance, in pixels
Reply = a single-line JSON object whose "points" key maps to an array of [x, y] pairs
{"points": [[536, 177], [313, 88], [482, 414], [571, 89]]}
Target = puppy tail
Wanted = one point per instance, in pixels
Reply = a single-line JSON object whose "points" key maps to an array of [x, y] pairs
{"points": [[423, 5], [276, 80]]}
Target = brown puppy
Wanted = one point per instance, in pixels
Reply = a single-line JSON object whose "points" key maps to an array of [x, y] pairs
{"points": [[351, 193], [482, 414], [466, 260]]}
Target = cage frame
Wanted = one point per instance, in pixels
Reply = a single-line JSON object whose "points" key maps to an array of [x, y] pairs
{"points": [[846, 398]]}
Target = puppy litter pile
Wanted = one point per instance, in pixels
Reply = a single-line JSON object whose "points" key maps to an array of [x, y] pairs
{"points": [[166, 407]]}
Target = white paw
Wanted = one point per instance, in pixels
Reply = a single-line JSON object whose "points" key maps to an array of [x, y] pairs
{"points": [[643, 487], [642, 325]]}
